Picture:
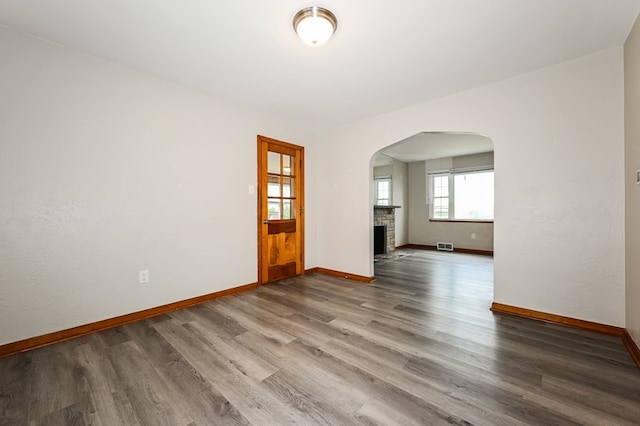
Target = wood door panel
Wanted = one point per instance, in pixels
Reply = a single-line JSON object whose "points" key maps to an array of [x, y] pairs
{"points": [[282, 249], [288, 226], [282, 271]]}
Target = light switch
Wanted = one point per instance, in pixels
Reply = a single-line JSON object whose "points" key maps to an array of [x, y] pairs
{"points": [[252, 189]]}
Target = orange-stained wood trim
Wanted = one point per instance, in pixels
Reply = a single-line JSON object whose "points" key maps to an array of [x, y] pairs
{"points": [[345, 275], [632, 347], [473, 251], [420, 247], [70, 333], [455, 249], [557, 319]]}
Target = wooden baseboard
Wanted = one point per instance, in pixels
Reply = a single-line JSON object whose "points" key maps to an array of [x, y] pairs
{"points": [[557, 319], [455, 249], [632, 347], [70, 333], [345, 275]]}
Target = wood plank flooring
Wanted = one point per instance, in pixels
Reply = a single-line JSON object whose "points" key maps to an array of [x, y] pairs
{"points": [[418, 346]]}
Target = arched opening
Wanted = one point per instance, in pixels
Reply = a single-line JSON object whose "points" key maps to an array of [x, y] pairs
{"points": [[433, 190]]}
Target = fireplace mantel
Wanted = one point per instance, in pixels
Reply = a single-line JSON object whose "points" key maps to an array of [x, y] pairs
{"points": [[387, 207]]}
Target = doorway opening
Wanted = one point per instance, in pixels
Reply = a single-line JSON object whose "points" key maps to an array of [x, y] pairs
{"points": [[434, 190]]}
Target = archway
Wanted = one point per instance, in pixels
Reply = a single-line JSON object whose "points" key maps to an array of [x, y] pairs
{"points": [[403, 198]]}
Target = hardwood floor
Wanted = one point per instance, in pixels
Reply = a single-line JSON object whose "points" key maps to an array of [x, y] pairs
{"points": [[418, 346]]}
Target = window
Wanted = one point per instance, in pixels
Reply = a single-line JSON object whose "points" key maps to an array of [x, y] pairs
{"points": [[440, 197], [382, 191], [461, 196]]}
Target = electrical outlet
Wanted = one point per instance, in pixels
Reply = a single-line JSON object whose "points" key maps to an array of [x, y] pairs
{"points": [[473, 236], [143, 276]]}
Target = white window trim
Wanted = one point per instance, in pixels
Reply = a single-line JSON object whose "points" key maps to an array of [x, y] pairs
{"points": [[375, 189], [430, 195]]}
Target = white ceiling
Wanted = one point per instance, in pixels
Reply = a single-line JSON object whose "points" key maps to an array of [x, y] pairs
{"points": [[432, 145], [385, 54]]}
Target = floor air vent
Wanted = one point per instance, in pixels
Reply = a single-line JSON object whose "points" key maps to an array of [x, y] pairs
{"points": [[445, 246]]}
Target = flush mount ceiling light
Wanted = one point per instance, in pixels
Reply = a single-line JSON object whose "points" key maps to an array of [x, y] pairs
{"points": [[315, 25]]}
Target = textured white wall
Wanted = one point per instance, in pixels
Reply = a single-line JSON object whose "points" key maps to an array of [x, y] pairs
{"points": [[559, 160], [105, 171], [632, 158]]}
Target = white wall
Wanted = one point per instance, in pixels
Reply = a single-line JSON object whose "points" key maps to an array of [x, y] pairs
{"points": [[383, 171], [105, 171], [425, 232], [632, 156], [400, 198], [559, 154]]}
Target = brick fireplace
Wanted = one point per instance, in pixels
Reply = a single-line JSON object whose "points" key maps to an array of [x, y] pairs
{"points": [[386, 216]]}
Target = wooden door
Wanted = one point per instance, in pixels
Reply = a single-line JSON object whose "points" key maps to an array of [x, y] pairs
{"points": [[280, 210]]}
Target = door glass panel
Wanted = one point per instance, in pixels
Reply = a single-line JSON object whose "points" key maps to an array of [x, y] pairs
{"points": [[273, 162], [288, 212], [287, 165], [287, 187], [280, 186], [273, 187], [274, 209]]}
